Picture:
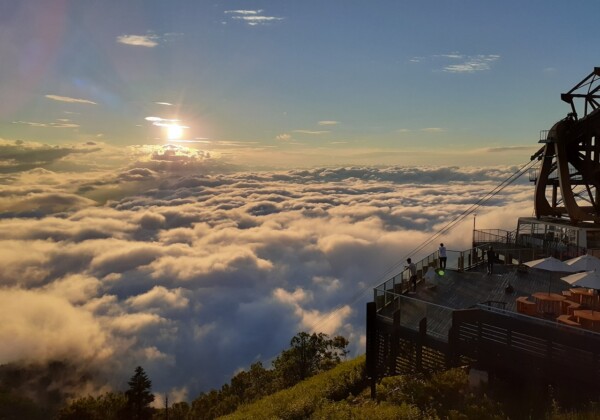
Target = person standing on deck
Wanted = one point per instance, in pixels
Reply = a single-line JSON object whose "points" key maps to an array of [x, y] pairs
{"points": [[442, 255], [491, 256], [412, 269]]}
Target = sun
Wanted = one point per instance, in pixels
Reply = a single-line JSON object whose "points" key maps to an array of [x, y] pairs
{"points": [[174, 132]]}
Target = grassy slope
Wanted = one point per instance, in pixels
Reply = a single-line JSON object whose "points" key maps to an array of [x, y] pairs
{"points": [[314, 398], [343, 393]]}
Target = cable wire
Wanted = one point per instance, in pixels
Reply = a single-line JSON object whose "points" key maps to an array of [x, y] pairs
{"points": [[447, 228]]}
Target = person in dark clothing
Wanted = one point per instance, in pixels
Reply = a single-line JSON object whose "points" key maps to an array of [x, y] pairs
{"points": [[491, 256], [412, 268]]}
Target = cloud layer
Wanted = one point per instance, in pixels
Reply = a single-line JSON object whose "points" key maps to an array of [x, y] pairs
{"points": [[196, 274]]}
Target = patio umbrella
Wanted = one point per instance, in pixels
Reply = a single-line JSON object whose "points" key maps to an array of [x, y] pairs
{"points": [[589, 279], [584, 263], [550, 264]]}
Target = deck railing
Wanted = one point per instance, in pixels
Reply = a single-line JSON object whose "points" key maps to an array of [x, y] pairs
{"points": [[411, 311], [547, 247], [457, 261], [542, 246], [494, 236], [539, 321], [399, 283]]}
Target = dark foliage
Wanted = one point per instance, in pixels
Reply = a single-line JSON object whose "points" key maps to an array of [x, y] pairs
{"points": [[308, 355], [49, 384], [139, 396], [178, 411], [109, 406], [16, 407]]}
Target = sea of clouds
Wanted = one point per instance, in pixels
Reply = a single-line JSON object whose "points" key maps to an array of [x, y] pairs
{"points": [[193, 269]]}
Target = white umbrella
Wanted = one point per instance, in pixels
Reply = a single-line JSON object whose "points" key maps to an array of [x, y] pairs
{"points": [[585, 262], [589, 279], [551, 264]]}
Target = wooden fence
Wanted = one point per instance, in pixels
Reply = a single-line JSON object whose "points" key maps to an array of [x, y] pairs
{"points": [[493, 340]]}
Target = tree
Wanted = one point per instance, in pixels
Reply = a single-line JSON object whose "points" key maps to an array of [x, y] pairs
{"points": [[179, 411], [245, 387], [14, 406], [214, 404], [308, 355], [139, 396], [253, 384], [108, 406]]}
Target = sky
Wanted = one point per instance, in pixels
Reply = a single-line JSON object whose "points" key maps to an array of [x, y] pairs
{"points": [[186, 185], [290, 83]]}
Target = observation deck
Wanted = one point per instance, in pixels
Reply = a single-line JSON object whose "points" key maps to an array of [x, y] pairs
{"points": [[464, 316]]}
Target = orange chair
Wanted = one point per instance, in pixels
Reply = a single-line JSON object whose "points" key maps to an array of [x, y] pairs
{"points": [[525, 306]]}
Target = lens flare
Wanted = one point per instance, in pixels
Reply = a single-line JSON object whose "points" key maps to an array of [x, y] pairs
{"points": [[174, 132]]}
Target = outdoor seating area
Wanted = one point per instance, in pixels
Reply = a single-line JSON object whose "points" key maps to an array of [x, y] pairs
{"points": [[577, 307], [583, 296], [531, 312], [561, 293]]}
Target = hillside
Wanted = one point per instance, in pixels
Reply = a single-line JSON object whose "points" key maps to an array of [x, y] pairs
{"points": [[332, 390], [343, 393]]}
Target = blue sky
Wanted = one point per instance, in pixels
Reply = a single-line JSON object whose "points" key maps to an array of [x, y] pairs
{"points": [[296, 83]]}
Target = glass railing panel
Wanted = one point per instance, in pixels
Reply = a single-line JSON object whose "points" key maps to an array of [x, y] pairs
{"points": [[439, 321], [412, 312], [452, 260], [387, 286], [379, 299]]}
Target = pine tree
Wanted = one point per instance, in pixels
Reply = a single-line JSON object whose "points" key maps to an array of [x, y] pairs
{"points": [[139, 396]]}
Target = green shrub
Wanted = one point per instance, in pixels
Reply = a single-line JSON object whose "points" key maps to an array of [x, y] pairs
{"points": [[588, 413], [445, 394], [410, 388], [368, 411], [108, 406]]}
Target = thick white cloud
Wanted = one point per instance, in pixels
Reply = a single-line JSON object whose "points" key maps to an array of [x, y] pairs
{"points": [[159, 297], [194, 274], [38, 326], [134, 323], [44, 203], [76, 288]]}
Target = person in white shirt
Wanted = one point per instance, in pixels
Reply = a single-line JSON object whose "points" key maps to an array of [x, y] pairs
{"points": [[442, 255]]}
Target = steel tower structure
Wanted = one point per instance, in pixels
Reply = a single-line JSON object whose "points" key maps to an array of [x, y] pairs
{"points": [[570, 160]]}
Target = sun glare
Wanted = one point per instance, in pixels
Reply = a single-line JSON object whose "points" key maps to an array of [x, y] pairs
{"points": [[174, 132]]}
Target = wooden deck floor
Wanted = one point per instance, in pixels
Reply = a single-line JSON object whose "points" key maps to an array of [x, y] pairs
{"points": [[458, 290]]}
